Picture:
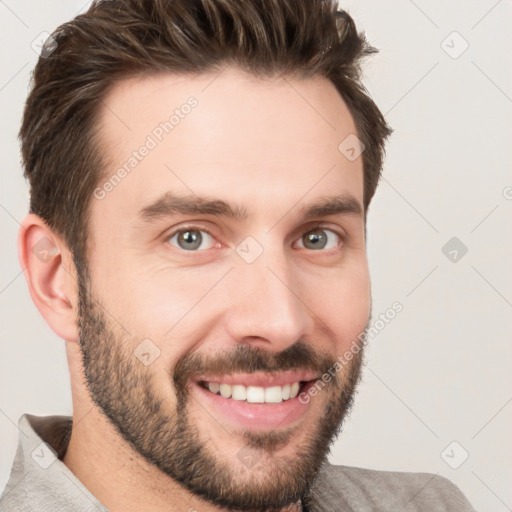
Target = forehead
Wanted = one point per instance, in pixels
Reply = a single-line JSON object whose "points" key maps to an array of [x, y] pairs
{"points": [[225, 133]]}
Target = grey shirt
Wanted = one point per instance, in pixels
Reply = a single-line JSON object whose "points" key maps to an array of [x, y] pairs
{"points": [[41, 482]]}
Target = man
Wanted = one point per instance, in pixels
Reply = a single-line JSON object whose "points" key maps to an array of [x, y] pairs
{"points": [[200, 176]]}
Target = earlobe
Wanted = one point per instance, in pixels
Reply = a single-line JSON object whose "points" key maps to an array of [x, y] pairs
{"points": [[50, 274]]}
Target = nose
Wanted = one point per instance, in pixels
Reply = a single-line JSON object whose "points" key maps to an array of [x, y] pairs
{"points": [[269, 307]]}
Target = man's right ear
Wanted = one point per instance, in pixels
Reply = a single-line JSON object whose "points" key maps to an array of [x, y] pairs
{"points": [[50, 273]]}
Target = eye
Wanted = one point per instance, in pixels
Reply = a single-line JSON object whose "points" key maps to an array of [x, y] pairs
{"points": [[190, 239], [320, 239]]}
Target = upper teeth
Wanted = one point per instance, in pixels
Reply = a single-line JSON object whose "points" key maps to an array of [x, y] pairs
{"points": [[255, 394]]}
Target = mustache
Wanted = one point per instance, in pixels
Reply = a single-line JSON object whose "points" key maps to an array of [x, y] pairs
{"points": [[247, 359]]}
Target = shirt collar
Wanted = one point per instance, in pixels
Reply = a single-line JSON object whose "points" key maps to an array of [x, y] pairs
{"points": [[39, 479]]}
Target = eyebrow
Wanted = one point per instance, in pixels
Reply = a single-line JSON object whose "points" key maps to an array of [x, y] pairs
{"points": [[170, 204]]}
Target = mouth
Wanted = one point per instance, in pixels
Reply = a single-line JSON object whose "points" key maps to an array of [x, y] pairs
{"points": [[255, 394], [256, 401]]}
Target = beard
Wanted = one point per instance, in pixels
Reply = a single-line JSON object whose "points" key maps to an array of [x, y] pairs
{"points": [[165, 436]]}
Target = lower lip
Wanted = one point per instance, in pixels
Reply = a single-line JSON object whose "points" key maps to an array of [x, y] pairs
{"points": [[253, 416]]}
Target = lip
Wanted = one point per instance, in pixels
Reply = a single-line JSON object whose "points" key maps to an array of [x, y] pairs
{"points": [[253, 416], [260, 378]]}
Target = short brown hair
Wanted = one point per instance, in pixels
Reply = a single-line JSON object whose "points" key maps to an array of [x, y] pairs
{"points": [[117, 39]]}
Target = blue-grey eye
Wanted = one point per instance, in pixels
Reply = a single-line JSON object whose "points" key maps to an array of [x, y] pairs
{"points": [[191, 239], [319, 238]]}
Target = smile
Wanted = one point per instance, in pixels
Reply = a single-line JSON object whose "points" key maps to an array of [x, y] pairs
{"points": [[255, 394], [256, 401]]}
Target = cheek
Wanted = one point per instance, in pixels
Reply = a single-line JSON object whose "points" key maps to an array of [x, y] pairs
{"points": [[169, 308], [345, 305]]}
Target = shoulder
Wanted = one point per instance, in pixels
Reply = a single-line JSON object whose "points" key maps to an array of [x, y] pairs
{"points": [[383, 491]]}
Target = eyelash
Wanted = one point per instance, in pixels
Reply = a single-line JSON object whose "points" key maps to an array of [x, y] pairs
{"points": [[313, 227]]}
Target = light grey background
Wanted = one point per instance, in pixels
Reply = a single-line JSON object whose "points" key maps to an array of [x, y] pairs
{"points": [[440, 371]]}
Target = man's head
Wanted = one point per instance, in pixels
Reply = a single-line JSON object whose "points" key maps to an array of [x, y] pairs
{"points": [[118, 39], [231, 127]]}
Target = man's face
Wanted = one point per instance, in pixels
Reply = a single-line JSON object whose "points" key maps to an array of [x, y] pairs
{"points": [[183, 297]]}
